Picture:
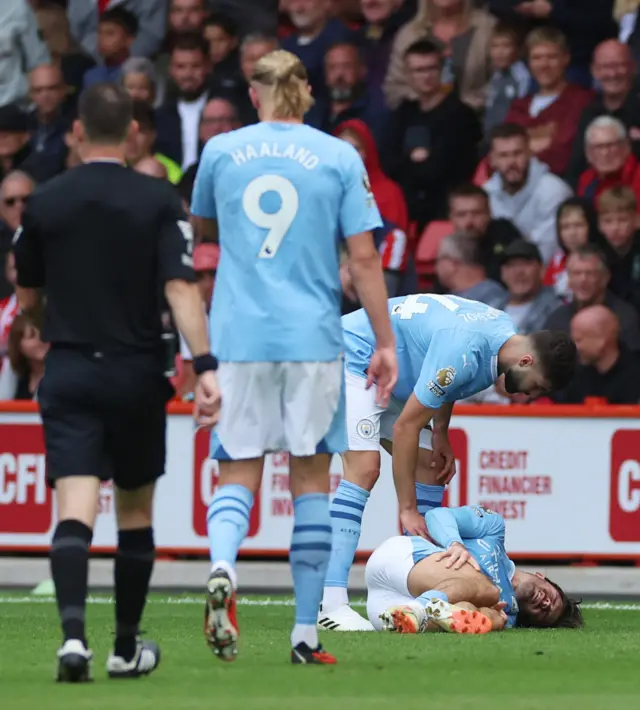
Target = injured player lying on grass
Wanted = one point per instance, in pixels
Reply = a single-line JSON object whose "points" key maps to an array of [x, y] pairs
{"points": [[461, 580]]}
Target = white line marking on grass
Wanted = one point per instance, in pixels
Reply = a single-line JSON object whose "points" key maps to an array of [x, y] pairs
{"points": [[245, 601]]}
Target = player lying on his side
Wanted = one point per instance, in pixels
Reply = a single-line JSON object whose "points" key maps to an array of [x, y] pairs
{"points": [[411, 580], [448, 348]]}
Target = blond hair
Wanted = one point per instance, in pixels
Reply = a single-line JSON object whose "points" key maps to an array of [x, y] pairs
{"points": [[286, 77], [617, 199], [546, 35]]}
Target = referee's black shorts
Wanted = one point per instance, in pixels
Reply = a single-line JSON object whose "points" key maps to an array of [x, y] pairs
{"points": [[104, 415]]}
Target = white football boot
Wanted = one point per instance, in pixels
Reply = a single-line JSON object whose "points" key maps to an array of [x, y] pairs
{"points": [[344, 618]]}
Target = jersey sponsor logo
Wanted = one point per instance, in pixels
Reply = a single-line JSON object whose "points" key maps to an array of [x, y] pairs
{"points": [[365, 428], [17, 235], [25, 497], [435, 389], [446, 376], [205, 482], [624, 496]]}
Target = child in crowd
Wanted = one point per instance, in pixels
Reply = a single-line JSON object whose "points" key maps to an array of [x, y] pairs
{"points": [[618, 223], [510, 78], [576, 226], [117, 30], [222, 36]]}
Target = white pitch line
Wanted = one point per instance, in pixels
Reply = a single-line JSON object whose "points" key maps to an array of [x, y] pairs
{"points": [[245, 601]]}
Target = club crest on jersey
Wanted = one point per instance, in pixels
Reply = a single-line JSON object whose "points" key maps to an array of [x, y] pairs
{"points": [[446, 376], [366, 182], [481, 511], [435, 389], [365, 428]]}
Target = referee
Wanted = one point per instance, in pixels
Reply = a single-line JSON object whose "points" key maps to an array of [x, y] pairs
{"points": [[104, 243]]}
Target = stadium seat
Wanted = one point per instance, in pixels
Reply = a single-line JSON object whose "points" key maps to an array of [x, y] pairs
{"points": [[427, 251]]}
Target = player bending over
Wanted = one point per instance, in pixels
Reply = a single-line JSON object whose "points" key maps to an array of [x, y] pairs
{"points": [[281, 195], [448, 348], [411, 581]]}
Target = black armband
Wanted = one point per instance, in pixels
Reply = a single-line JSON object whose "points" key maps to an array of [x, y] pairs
{"points": [[205, 363]]}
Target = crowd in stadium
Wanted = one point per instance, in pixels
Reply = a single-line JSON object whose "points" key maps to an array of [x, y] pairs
{"points": [[501, 138]]}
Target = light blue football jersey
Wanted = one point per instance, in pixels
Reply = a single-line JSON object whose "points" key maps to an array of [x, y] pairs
{"points": [[284, 195], [447, 346], [482, 532]]}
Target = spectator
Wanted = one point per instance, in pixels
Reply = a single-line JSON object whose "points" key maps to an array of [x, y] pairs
{"points": [[14, 191], [610, 158], [65, 52], [72, 143], [617, 222], [222, 35], [251, 15], [26, 355], [348, 96], [8, 305], [186, 16], [140, 146], [470, 214], [528, 301], [151, 16], [523, 190], [588, 280], [315, 33], [460, 271], [463, 33], [382, 20], [21, 50], [430, 144], [627, 13], [510, 78], [607, 369], [15, 149], [585, 26], [48, 120], [117, 30], [178, 118], [614, 70], [152, 167], [551, 115], [219, 116], [575, 227], [252, 48], [387, 193], [139, 78]]}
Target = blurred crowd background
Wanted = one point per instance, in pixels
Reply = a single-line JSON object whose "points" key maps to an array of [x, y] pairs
{"points": [[501, 137]]}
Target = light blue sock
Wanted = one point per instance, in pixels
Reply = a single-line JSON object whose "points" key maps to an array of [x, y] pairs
{"points": [[346, 521], [228, 522], [426, 597], [309, 558], [428, 497]]}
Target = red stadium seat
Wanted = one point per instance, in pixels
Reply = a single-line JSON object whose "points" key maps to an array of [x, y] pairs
{"points": [[427, 251]]}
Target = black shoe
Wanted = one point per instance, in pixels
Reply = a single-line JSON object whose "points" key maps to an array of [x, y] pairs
{"points": [[74, 662], [302, 654], [145, 661]]}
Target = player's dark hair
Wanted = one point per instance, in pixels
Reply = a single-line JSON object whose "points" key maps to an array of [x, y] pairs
{"points": [[224, 22], [123, 18], [190, 42], [505, 131], [468, 189], [144, 115], [570, 617], [106, 112], [424, 48], [558, 356]]}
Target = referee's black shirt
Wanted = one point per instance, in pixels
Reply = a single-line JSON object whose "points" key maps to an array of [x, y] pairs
{"points": [[102, 240]]}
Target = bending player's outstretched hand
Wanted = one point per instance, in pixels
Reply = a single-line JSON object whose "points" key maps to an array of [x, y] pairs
{"points": [[414, 523], [443, 458], [457, 556], [383, 370], [207, 400]]}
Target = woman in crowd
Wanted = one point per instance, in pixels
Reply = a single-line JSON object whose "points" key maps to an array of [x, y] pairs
{"points": [[23, 369], [465, 34], [139, 78], [576, 226]]}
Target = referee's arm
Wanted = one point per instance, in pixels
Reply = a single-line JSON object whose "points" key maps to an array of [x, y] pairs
{"points": [[28, 251]]}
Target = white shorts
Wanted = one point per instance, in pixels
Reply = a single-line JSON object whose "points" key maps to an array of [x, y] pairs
{"points": [[386, 577], [279, 406], [367, 422]]}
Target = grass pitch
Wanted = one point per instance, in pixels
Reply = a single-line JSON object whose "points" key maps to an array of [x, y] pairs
{"points": [[592, 669]]}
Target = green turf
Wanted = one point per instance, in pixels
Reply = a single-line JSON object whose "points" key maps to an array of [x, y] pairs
{"points": [[593, 669]]}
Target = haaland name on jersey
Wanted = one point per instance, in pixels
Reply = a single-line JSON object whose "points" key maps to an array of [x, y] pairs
{"points": [[250, 152]]}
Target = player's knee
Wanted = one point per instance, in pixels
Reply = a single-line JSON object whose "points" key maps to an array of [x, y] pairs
{"points": [[365, 477]]}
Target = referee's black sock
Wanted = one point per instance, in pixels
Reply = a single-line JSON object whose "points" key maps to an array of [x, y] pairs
{"points": [[70, 571], [133, 567]]}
